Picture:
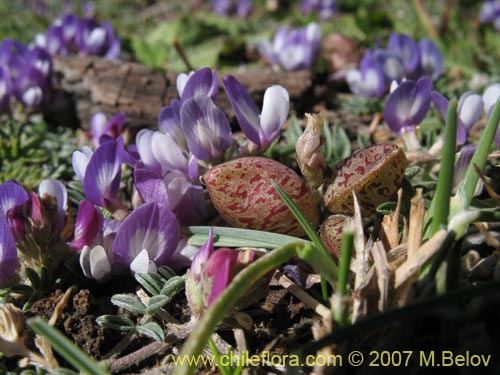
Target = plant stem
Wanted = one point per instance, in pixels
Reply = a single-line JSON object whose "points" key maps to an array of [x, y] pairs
{"points": [[445, 181], [465, 191], [242, 282], [340, 308]]}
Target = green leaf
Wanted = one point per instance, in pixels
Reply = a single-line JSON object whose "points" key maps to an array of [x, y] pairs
{"points": [[237, 237], [152, 330], [155, 303], [166, 272], [129, 303], [34, 278], [173, 286], [119, 323], [22, 289], [65, 347], [321, 260], [148, 282]]}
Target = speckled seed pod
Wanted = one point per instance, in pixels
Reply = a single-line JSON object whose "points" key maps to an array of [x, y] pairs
{"points": [[242, 192], [374, 173], [331, 233]]}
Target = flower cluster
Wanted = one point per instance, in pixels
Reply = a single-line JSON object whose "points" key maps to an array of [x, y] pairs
{"points": [[403, 58], [25, 75], [241, 8], [71, 35], [323, 8], [293, 49], [32, 227], [193, 133], [409, 103], [490, 13]]}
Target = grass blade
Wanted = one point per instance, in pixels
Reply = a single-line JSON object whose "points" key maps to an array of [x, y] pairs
{"points": [[69, 351]]}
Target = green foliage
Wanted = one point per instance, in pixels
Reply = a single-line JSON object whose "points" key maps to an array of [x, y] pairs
{"points": [[163, 286], [31, 152]]}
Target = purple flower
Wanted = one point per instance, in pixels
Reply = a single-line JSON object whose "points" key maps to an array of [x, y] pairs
{"points": [[220, 268], [407, 49], [369, 80], [323, 8], [431, 60], [408, 105], [461, 166], [175, 191], [391, 64], [261, 129], [490, 99], [169, 121], [201, 82], [102, 175], [80, 160], [8, 253], [53, 188], [94, 39], [469, 110], [5, 89], [146, 238], [206, 128], [490, 13], [11, 195], [96, 262], [89, 221], [100, 126], [242, 8], [293, 49]]}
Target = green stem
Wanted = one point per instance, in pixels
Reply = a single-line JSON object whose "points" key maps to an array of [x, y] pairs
{"points": [[466, 189], [340, 311], [242, 282], [441, 201]]}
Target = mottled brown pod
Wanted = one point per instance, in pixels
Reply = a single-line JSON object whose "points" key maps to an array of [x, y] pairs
{"points": [[242, 193], [331, 233], [374, 173]]}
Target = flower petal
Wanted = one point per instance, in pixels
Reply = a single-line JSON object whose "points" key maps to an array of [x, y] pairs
{"points": [[8, 253], [244, 108], [203, 82], [11, 195], [274, 113]]}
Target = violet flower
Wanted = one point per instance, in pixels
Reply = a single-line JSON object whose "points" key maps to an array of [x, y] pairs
{"points": [[490, 13], [369, 80], [242, 8], [431, 59], [293, 49], [408, 104], [261, 129], [206, 128], [461, 166], [407, 49], [201, 82], [469, 110], [88, 224], [490, 98], [8, 253], [97, 261], [95, 39], [6, 89], [323, 8], [80, 160], [100, 126], [102, 174], [12, 194], [146, 239], [174, 190], [53, 188]]}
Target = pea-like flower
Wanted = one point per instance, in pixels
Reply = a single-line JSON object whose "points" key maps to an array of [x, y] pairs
{"points": [[369, 80], [262, 129], [146, 239], [408, 104], [293, 49]]}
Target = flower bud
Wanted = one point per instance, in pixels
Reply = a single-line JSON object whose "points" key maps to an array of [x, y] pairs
{"points": [[309, 153]]}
